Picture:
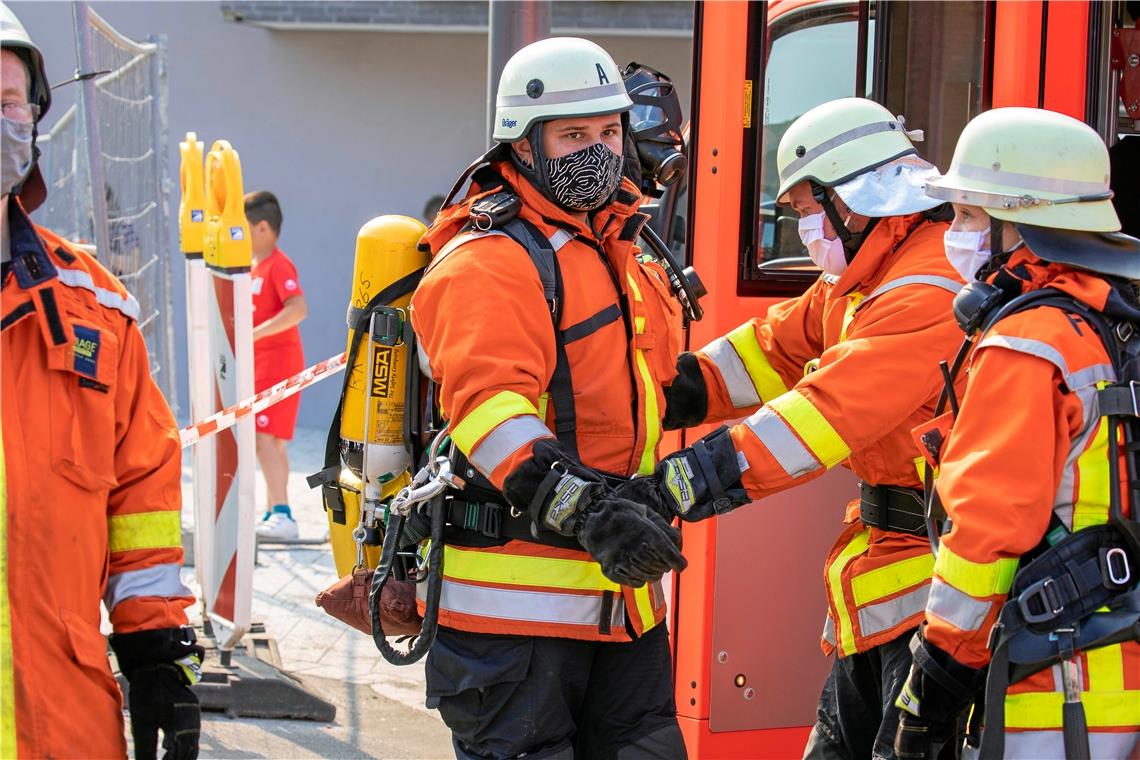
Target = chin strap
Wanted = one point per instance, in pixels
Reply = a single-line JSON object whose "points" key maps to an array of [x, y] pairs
{"points": [[852, 241]]}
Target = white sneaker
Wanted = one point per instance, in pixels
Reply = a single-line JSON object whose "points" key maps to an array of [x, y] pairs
{"points": [[278, 527]]}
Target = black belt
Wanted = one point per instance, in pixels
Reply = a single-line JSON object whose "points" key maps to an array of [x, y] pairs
{"points": [[894, 508], [477, 523]]}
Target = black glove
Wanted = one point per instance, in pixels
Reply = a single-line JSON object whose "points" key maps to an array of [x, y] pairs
{"points": [[632, 544], [694, 483], [160, 666], [687, 399], [933, 701]]}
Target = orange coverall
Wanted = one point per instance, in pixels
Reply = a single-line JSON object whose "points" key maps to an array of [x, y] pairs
{"points": [[91, 497]]}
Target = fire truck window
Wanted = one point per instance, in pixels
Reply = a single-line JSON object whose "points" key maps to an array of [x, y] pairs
{"points": [[811, 59], [932, 42]]}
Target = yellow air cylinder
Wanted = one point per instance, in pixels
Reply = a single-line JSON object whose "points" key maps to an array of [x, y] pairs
{"points": [[375, 392], [227, 244], [192, 206]]}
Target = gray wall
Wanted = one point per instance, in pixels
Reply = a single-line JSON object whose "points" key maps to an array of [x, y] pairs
{"points": [[342, 126]]}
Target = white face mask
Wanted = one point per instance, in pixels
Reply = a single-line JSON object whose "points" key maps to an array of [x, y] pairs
{"points": [[828, 254], [967, 252]]}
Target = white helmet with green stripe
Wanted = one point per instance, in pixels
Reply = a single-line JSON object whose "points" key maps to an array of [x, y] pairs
{"points": [[556, 78], [838, 142]]}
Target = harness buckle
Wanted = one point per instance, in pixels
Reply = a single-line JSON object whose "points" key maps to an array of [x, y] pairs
{"points": [[1048, 600], [1124, 331], [1115, 565], [490, 520]]}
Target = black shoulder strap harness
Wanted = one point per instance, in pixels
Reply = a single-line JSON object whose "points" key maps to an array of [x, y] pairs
{"points": [[1083, 591]]}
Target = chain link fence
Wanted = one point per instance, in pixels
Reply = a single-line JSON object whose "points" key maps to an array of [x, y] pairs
{"points": [[104, 163]]}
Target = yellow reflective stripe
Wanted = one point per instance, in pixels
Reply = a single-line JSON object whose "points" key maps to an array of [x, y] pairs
{"points": [[524, 570], [920, 467], [1091, 505], [767, 381], [7, 681], [1106, 668], [633, 286], [144, 530], [854, 548], [853, 302], [644, 602], [488, 416], [1042, 709], [652, 418], [812, 428], [543, 400], [978, 579], [890, 579]]}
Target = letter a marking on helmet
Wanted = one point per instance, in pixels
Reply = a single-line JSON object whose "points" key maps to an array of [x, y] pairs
{"points": [[602, 78]]}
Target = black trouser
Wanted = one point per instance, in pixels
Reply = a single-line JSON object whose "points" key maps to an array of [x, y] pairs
{"points": [[503, 696], [857, 718]]}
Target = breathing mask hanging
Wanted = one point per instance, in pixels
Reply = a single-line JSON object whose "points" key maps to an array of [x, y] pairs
{"points": [[655, 127]]}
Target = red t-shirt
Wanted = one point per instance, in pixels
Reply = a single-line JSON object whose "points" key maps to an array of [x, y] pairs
{"points": [[274, 282]]}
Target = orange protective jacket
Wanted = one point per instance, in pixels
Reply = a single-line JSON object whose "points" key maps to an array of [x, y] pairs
{"points": [[91, 497], [485, 329], [1029, 443], [843, 373]]}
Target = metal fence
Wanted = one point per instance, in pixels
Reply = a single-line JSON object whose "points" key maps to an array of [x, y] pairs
{"points": [[105, 166]]}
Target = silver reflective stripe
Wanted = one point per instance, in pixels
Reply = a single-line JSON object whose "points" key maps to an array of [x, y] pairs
{"points": [[840, 139], [158, 580], [829, 630], [781, 442], [505, 440], [557, 97], [733, 372], [559, 239], [876, 618], [1029, 181], [960, 610], [1063, 501], [1050, 745], [916, 279], [462, 238], [78, 278], [524, 605], [1042, 350]]}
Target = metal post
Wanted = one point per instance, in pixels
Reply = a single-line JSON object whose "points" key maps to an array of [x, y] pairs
{"points": [[162, 189], [91, 130], [511, 25]]}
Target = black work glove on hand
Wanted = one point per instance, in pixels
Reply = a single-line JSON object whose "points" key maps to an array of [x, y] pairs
{"points": [[631, 543], [934, 698], [160, 666], [694, 483], [687, 398]]}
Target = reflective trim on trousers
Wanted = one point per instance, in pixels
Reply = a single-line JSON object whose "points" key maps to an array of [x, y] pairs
{"points": [[525, 605], [962, 611], [157, 580], [876, 618]]}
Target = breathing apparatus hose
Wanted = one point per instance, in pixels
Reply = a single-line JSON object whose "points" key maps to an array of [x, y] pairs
{"points": [[684, 281], [422, 641]]}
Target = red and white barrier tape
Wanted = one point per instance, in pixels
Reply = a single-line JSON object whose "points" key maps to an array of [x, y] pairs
{"points": [[228, 417]]}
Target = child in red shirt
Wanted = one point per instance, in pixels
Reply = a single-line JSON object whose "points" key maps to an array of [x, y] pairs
{"points": [[278, 307]]}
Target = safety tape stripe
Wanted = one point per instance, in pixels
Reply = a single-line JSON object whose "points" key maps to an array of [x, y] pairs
{"points": [[1048, 743], [157, 580], [1092, 480], [781, 442], [829, 630], [725, 356], [853, 302], [524, 570], [978, 579], [1087, 376], [144, 530], [890, 579], [876, 618], [767, 381], [487, 416], [560, 238], [856, 546], [1029, 181], [644, 601], [812, 427], [521, 605], [917, 279], [1042, 710], [505, 440], [652, 424], [841, 139], [1106, 668], [960, 610], [633, 287], [79, 278], [559, 97], [1067, 488], [7, 669]]}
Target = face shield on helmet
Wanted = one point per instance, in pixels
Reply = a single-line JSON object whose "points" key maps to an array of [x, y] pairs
{"points": [[1048, 174], [562, 78]]}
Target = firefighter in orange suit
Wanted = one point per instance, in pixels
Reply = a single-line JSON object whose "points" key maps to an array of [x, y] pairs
{"points": [[839, 375], [551, 344], [1025, 470], [89, 508]]}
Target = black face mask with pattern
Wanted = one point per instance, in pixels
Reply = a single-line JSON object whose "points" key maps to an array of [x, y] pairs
{"points": [[585, 179]]}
